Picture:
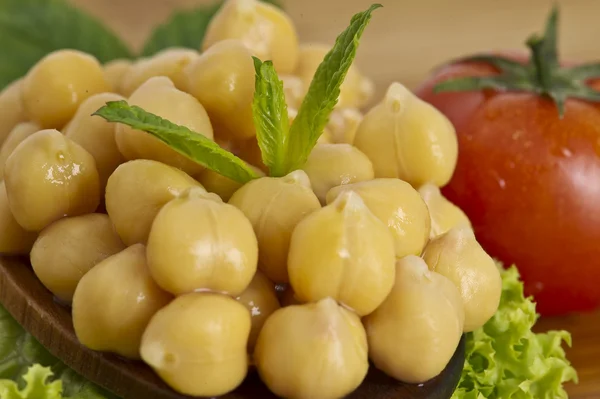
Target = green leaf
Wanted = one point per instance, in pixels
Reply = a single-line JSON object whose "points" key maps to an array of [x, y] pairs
{"points": [[324, 90], [37, 386], [184, 28], [506, 360], [270, 115], [193, 145], [30, 29]]}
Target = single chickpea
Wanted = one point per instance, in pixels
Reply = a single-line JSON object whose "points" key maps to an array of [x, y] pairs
{"points": [[58, 83], [49, 176], [12, 110], [114, 302], [409, 139], [344, 252], [343, 124], [197, 344], [457, 255], [444, 214], [158, 96], [114, 72], [267, 31], [19, 133], [313, 351], [415, 332]]}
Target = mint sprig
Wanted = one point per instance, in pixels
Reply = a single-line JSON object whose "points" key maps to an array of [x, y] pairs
{"points": [[193, 145], [270, 114], [30, 29]]}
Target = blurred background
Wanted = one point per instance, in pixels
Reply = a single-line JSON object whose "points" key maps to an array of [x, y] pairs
{"points": [[407, 38]]}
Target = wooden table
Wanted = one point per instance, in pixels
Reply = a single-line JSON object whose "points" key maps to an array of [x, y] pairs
{"points": [[404, 41]]}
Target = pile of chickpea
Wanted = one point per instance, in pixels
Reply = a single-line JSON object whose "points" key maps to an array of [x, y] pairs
{"points": [[356, 257]]}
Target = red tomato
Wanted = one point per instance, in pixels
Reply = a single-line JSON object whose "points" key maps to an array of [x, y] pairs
{"points": [[530, 183]]}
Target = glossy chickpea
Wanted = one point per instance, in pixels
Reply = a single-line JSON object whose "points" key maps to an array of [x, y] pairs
{"points": [[261, 301], [409, 139], [137, 190], [415, 332], [197, 344], [343, 124], [114, 302], [457, 255], [344, 252], [12, 110], [14, 240], [170, 63], [222, 79], [215, 248], [356, 90], [267, 31], [312, 351], [58, 83], [96, 135], [48, 176], [444, 214], [331, 165], [158, 96], [114, 71], [398, 206], [19, 133], [69, 248], [223, 186], [274, 206]]}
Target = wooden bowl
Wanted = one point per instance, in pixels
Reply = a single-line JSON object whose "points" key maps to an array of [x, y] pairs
{"points": [[33, 306]]}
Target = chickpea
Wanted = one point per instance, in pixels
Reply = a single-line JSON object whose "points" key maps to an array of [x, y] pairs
{"points": [[69, 248], [223, 186], [274, 206], [344, 252], [457, 255], [58, 83], [14, 240], [48, 176], [170, 63], [415, 332], [197, 344], [343, 124], [261, 300], [313, 351], [12, 110], [19, 133], [114, 302], [399, 206], [294, 90], [267, 31], [409, 139], [114, 71], [444, 214], [222, 79], [214, 249], [331, 165], [96, 135], [137, 190], [356, 90], [159, 96]]}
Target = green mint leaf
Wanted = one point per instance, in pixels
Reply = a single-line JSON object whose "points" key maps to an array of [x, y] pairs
{"points": [[184, 28], [193, 145], [30, 29], [270, 118], [324, 90]]}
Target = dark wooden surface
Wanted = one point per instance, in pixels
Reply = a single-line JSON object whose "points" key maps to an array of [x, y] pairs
{"points": [[34, 308]]}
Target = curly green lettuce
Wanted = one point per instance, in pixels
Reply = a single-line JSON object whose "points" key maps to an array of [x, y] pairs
{"points": [[506, 360]]}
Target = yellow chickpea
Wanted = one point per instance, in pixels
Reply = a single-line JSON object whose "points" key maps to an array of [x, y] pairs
{"points": [[58, 83], [14, 240], [267, 31], [19, 133], [159, 96], [114, 72], [12, 110]]}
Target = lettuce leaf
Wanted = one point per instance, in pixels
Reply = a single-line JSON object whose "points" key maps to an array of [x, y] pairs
{"points": [[37, 386], [506, 360]]}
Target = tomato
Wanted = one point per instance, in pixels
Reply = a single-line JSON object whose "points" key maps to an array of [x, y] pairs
{"points": [[529, 181]]}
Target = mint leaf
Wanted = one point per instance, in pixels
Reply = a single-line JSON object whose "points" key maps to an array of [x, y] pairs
{"points": [[30, 29], [324, 90], [184, 28], [270, 114], [193, 145]]}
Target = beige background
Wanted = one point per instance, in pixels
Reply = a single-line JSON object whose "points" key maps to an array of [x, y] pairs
{"points": [[407, 37]]}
